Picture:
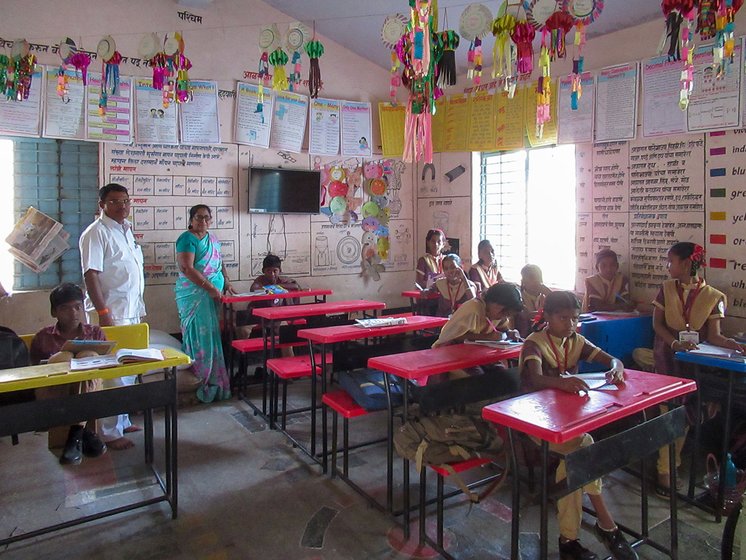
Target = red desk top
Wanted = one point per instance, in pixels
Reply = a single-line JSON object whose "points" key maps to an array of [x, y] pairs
{"points": [[270, 297], [424, 363], [342, 333], [316, 309], [557, 416], [417, 294]]}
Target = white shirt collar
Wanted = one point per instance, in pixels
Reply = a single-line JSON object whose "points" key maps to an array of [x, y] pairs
{"points": [[113, 224]]}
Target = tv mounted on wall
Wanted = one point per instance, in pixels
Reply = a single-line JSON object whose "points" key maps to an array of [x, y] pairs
{"points": [[284, 191]]}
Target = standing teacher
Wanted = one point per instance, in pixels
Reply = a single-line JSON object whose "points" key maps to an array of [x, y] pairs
{"points": [[114, 281], [202, 280]]}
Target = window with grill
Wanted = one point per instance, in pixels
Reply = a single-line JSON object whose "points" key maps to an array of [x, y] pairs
{"points": [[527, 211], [59, 178]]}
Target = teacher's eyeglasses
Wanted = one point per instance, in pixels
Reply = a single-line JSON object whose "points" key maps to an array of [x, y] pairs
{"points": [[201, 218], [118, 202]]}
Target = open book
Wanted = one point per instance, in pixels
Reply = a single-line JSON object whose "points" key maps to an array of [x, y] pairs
{"points": [[98, 346], [495, 343], [712, 351], [123, 356]]}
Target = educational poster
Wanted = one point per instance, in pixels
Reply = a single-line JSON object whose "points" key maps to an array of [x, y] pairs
{"points": [[482, 133], [610, 231], [510, 122], [288, 121], [576, 125], [452, 215], [116, 123], [610, 190], [24, 118], [446, 176], [156, 124], [715, 103], [400, 189], [324, 127], [357, 129], [615, 117], [401, 250], [253, 115], [726, 216], [661, 88], [391, 122], [584, 177], [457, 123], [283, 235], [336, 248], [438, 126], [164, 182], [64, 115], [200, 123], [584, 250], [549, 130]]}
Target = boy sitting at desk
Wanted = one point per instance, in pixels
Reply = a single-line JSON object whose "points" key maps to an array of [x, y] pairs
{"points": [[548, 356], [67, 307]]}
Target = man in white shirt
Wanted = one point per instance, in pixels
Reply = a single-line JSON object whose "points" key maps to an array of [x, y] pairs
{"points": [[113, 272]]}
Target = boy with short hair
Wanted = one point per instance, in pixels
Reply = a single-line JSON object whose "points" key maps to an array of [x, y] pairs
{"points": [[67, 307]]}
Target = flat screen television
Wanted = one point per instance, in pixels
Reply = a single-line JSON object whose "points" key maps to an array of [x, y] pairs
{"points": [[284, 191]]}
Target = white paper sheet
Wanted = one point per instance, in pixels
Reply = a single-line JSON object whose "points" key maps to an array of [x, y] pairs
{"points": [[289, 121], [616, 103], [23, 118], [155, 124], [356, 129], [199, 118], [324, 127], [64, 117], [116, 125], [252, 126]]}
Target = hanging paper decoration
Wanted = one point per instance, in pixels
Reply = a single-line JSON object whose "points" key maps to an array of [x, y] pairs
{"points": [[538, 11], [278, 58], [20, 71], [449, 40], [557, 26], [269, 39], [295, 39], [475, 23], [504, 53], [577, 66], [543, 91], [583, 11], [314, 50], [706, 19], [110, 60], [394, 26], [523, 36], [725, 43], [679, 19]]}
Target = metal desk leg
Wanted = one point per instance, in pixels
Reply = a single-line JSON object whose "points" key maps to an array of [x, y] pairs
{"points": [[644, 522], [672, 501], [405, 466], [543, 529], [389, 445], [726, 438], [697, 437], [516, 502]]}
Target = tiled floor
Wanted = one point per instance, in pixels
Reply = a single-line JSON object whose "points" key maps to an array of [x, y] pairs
{"points": [[245, 493]]}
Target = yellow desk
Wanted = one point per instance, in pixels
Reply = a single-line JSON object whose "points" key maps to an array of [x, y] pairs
{"points": [[41, 415]]}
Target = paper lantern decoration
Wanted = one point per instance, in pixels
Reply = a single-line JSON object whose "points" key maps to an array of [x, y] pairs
{"points": [[583, 11], [679, 19], [504, 54], [394, 26], [314, 50], [725, 27], [557, 26], [449, 41], [278, 58], [523, 36], [475, 23], [706, 19], [19, 71]]}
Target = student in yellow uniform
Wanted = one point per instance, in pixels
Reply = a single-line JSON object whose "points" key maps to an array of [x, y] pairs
{"points": [[533, 292], [686, 312], [546, 358], [608, 290], [454, 289], [484, 273], [430, 265]]}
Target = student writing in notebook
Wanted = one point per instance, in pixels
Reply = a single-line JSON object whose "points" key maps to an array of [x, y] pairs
{"points": [[686, 311], [546, 359], [533, 292], [608, 290]]}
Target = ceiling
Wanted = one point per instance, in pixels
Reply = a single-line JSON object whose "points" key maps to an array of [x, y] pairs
{"points": [[356, 24]]}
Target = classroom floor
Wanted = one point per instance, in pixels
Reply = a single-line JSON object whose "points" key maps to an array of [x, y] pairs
{"points": [[245, 493]]}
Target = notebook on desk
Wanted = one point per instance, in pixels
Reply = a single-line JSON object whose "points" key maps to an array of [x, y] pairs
{"points": [[123, 356], [380, 322], [712, 351]]}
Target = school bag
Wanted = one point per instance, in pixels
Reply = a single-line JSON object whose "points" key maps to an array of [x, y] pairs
{"points": [[439, 440], [367, 388], [13, 353]]}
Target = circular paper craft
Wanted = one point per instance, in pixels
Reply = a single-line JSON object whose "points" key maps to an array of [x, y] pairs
{"points": [[173, 44], [297, 36], [370, 209], [370, 224], [348, 250], [584, 11], [538, 11], [377, 187], [373, 170], [67, 49], [269, 37], [382, 231], [384, 215], [353, 217], [336, 218], [476, 21], [148, 46], [368, 238], [338, 205], [338, 188], [337, 173], [106, 48], [383, 246], [394, 26], [382, 201]]}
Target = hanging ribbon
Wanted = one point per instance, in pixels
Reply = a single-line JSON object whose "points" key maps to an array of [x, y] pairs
{"points": [[62, 89], [81, 61], [19, 85], [109, 81], [314, 50], [523, 36], [558, 25], [294, 78], [577, 66], [278, 59], [706, 19], [504, 51], [543, 91], [725, 27], [4, 64]]}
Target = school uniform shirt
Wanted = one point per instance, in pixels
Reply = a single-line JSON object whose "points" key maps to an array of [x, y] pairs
{"points": [[451, 297], [530, 301], [557, 355], [49, 340], [428, 268], [704, 303], [288, 283], [485, 276], [470, 318], [109, 247], [600, 290]]}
